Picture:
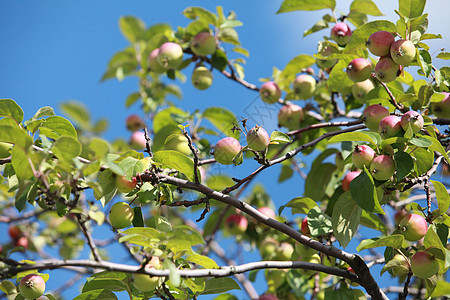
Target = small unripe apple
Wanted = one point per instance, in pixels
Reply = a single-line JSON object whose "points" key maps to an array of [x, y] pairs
{"points": [[123, 185], [304, 227], [22, 241], [202, 78], [387, 70], [363, 156], [304, 86], [268, 297], [373, 114], [144, 282], [403, 52], [361, 89], [275, 278], [379, 43], [134, 123], [32, 286], [359, 69], [153, 63], [348, 178], [389, 126], [270, 92], [138, 140], [314, 259], [402, 267], [267, 211], [424, 264], [303, 251], [413, 227], [178, 142], [382, 167], [258, 139], [226, 149], [284, 251], [290, 116], [442, 109], [203, 44], [413, 119], [268, 247], [14, 232], [399, 215], [170, 55], [341, 33], [121, 215], [236, 224]]}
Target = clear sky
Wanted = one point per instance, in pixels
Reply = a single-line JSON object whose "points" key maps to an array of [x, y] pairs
{"points": [[52, 51]]}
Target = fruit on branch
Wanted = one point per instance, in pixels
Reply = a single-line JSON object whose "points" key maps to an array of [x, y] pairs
{"points": [[413, 227], [326, 51], [258, 139], [304, 86], [304, 227], [313, 259], [121, 215], [359, 69], [236, 224], [123, 185], [275, 278], [202, 78], [138, 140], [32, 286], [403, 52], [362, 156], [226, 149], [341, 33], [361, 89], [144, 282], [21, 241], [382, 167], [387, 70], [268, 297], [400, 267], [413, 119], [134, 123], [178, 142], [424, 264], [442, 109], [268, 247], [170, 55], [389, 126], [267, 211], [290, 116], [14, 232], [373, 114], [399, 215], [284, 251], [379, 43], [270, 92], [348, 178], [153, 63], [203, 44]]}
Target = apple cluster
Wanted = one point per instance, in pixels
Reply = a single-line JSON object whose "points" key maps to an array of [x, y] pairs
{"points": [[18, 237]]}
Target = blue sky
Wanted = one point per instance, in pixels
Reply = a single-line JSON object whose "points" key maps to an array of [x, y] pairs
{"points": [[56, 51]]}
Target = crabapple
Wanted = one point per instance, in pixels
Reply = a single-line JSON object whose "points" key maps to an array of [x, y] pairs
{"points": [[313, 259], [363, 156], [348, 178], [359, 69], [170, 55], [284, 251], [258, 139], [267, 211], [32, 286], [399, 215], [226, 149], [202, 78], [341, 33], [413, 119], [121, 215], [387, 70], [373, 114], [382, 167], [270, 92], [424, 264], [123, 185], [360, 89], [268, 247], [138, 140], [144, 282], [379, 43], [236, 224], [178, 142], [442, 109], [304, 227], [413, 227], [275, 278], [290, 116], [153, 63], [268, 297], [304, 86], [203, 44], [401, 266], [403, 52], [21, 241], [14, 232], [134, 123], [389, 126]]}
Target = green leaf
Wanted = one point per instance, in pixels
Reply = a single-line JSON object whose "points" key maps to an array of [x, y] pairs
{"points": [[321, 24], [318, 222], [131, 166], [222, 119], [444, 55], [56, 126], [14, 135], [404, 164], [21, 164], [411, 8], [442, 196], [196, 285], [308, 5], [437, 146], [338, 80], [202, 260], [424, 160], [219, 182], [395, 241], [96, 294], [45, 111], [286, 172], [176, 160], [362, 34], [8, 287], [132, 28], [373, 221], [219, 60], [9, 107], [318, 179], [66, 148], [442, 289], [296, 64], [345, 219], [138, 220], [201, 13], [421, 142], [278, 137], [220, 285], [77, 112], [365, 7], [299, 205], [359, 136], [364, 193], [424, 61]]}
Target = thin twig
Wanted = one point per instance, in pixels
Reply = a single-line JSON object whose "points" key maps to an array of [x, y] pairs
{"points": [[392, 100], [89, 239]]}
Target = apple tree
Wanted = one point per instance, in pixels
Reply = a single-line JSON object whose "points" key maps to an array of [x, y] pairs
{"points": [[369, 113]]}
